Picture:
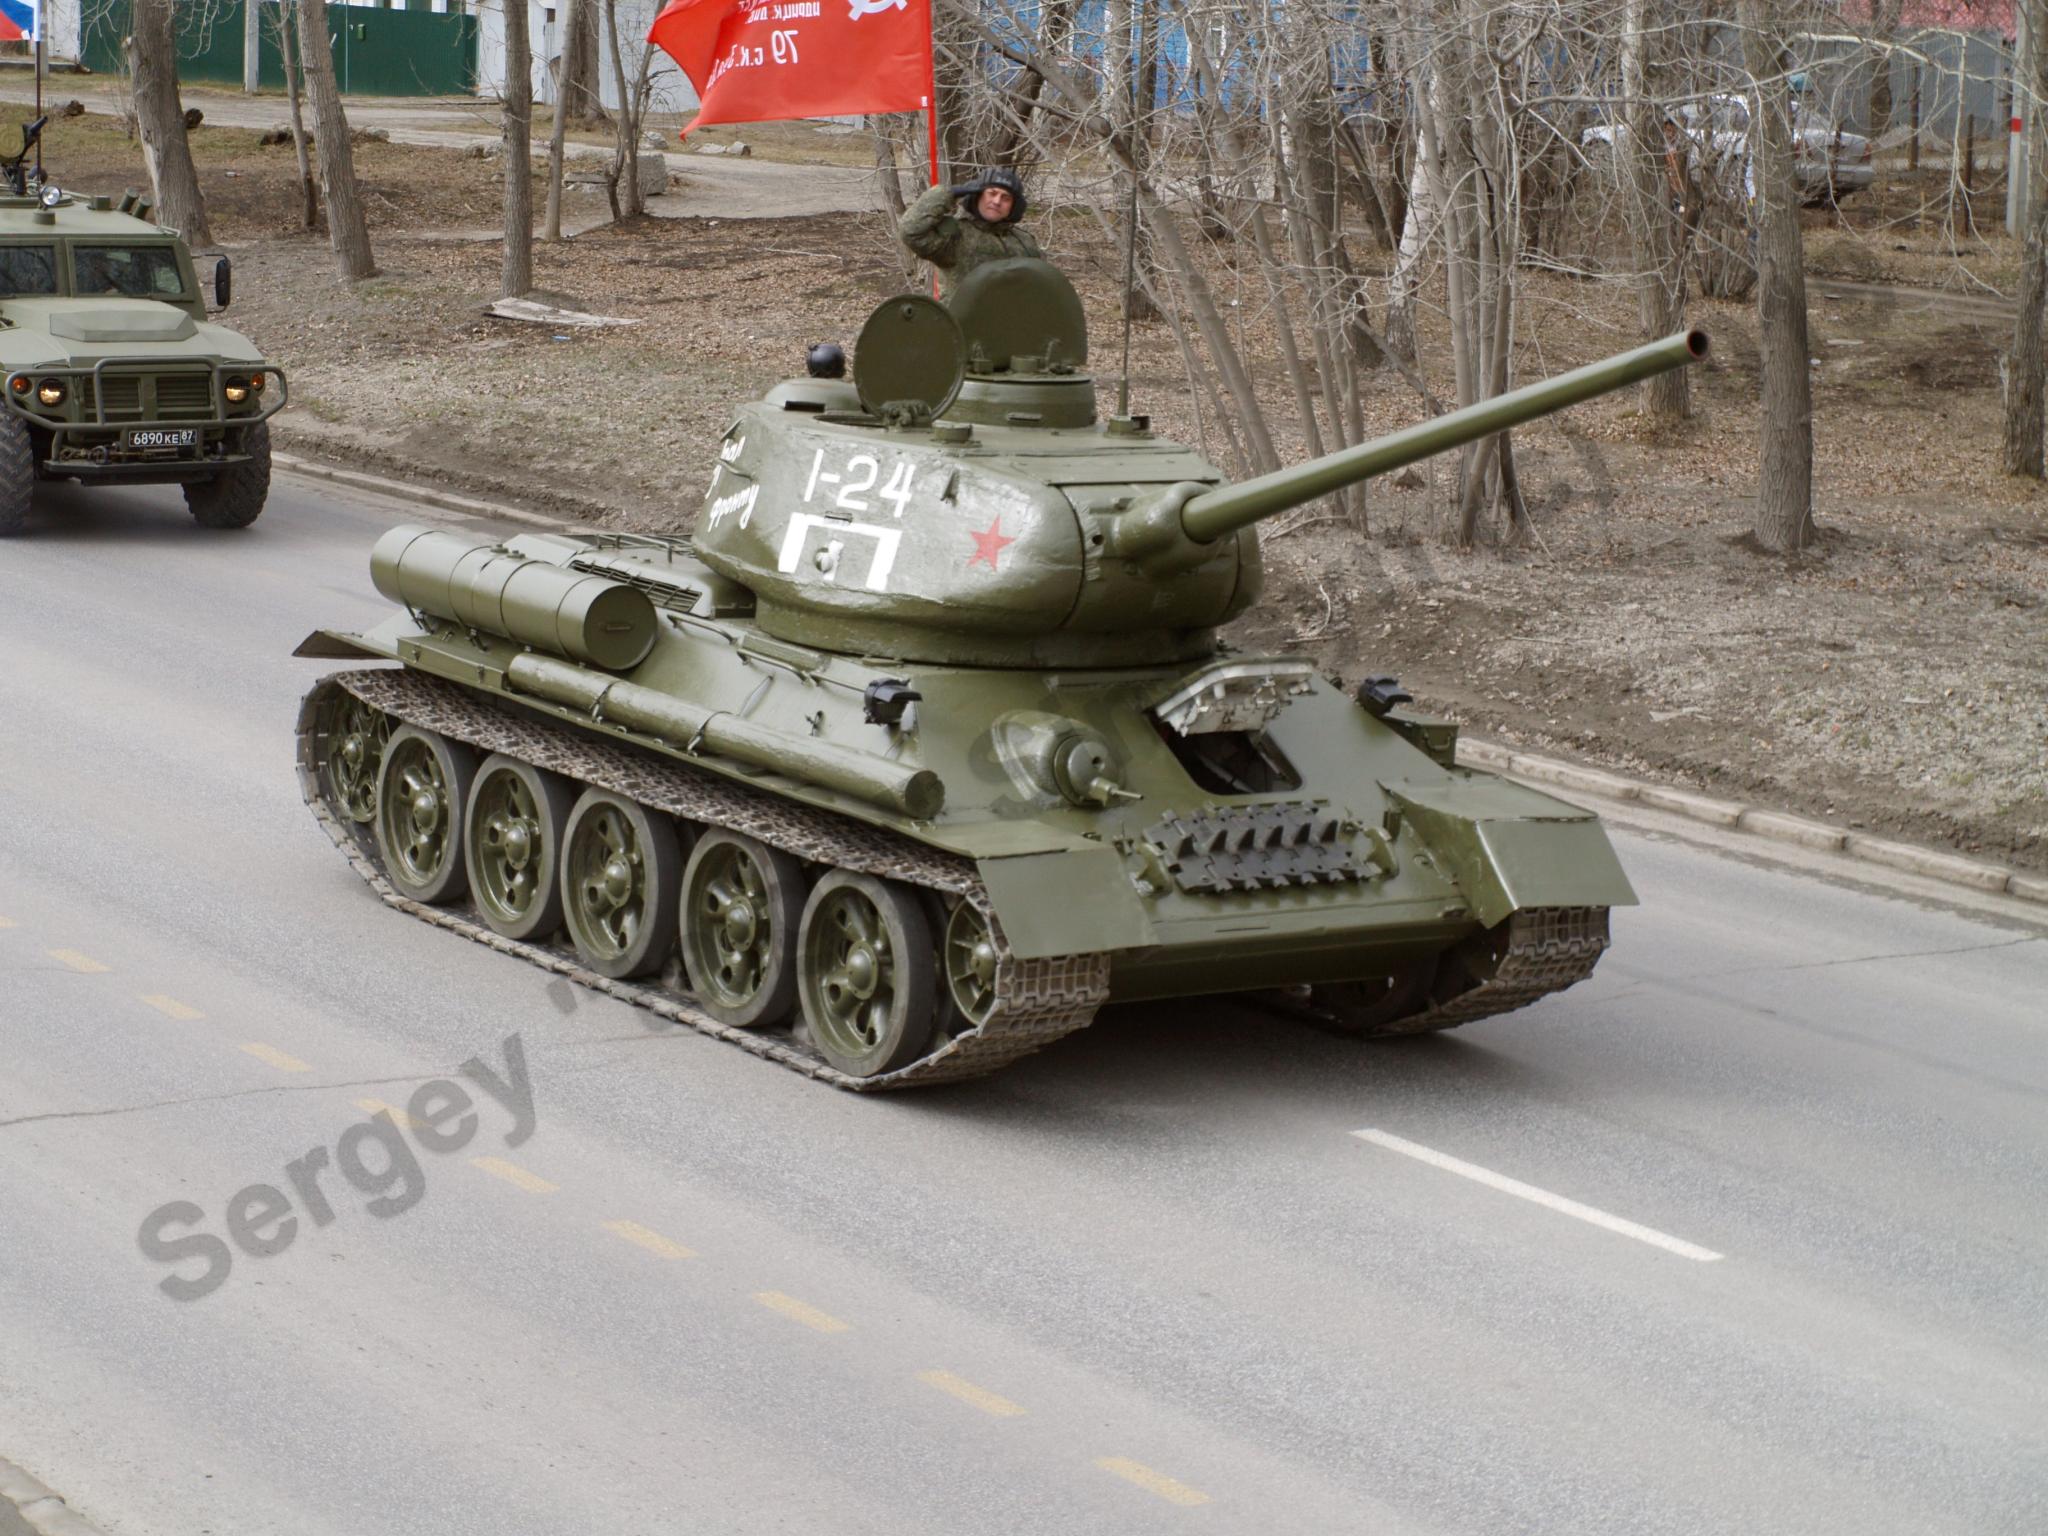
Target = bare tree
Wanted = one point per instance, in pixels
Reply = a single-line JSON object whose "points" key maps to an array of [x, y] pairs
{"points": [[1784, 501], [1125, 27], [1885, 16], [558, 129], [153, 64], [284, 22], [1661, 171], [578, 89], [517, 137], [622, 184], [347, 228], [2025, 364]]}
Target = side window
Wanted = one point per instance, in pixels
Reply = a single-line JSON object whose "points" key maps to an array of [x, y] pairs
{"points": [[27, 269]]}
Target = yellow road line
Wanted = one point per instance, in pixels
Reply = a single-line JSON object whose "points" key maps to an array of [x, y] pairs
{"points": [[184, 1013], [84, 964], [800, 1312], [512, 1173], [276, 1058], [374, 1106], [969, 1393], [649, 1239], [1142, 1476]]}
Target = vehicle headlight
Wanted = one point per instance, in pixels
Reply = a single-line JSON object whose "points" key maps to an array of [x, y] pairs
{"points": [[237, 390], [51, 391], [255, 383], [21, 384]]}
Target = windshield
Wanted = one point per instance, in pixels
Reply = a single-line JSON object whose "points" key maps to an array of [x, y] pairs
{"points": [[139, 271], [27, 269]]}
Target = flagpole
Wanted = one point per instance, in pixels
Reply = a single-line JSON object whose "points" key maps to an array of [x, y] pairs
{"points": [[39, 87]]}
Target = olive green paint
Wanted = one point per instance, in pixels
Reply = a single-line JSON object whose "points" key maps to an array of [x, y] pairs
{"points": [[125, 363], [1122, 782]]}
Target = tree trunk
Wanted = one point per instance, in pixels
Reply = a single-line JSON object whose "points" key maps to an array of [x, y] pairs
{"points": [[287, 50], [1121, 49], [153, 65], [1784, 502], [516, 130], [346, 226], [1656, 224], [2025, 365], [623, 188], [578, 92], [1885, 16], [558, 130], [252, 49]]}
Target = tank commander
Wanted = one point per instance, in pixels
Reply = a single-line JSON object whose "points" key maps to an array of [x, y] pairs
{"points": [[984, 229]]}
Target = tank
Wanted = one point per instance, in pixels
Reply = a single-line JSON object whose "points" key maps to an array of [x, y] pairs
{"points": [[925, 747], [111, 371]]}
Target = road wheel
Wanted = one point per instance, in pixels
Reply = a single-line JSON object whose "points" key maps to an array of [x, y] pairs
{"points": [[234, 498], [967, 967], [621, 878], [866, 973], [1370, 1009], [742, 905], [512, 838], [17, 474], [423, 784], [355, 751]]}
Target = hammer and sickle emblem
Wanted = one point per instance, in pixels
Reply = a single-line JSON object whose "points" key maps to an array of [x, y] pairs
{"points": [[859, 8]]}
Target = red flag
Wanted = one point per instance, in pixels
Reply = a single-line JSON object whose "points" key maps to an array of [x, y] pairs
{"points": [[755, 61]]}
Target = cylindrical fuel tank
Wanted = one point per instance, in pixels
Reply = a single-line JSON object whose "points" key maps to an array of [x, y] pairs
{"points": [[591, 619]]}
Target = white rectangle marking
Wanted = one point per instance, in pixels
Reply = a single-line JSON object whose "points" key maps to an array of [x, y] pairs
{"points": [[802, 524], [1542, 1197]]}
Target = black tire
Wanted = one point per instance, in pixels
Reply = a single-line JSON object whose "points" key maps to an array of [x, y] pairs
{"points": [[234, 498], [17, 474]]}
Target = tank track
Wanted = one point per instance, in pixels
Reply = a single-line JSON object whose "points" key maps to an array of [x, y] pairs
{"points": [[1547, 949], [1036, 1001]]}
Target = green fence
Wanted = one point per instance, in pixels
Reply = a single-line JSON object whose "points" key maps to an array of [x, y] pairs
{"points": [[376, 52]]}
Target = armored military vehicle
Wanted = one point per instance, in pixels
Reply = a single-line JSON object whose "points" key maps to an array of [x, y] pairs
{"points": [[925, 747], [110, 372]]}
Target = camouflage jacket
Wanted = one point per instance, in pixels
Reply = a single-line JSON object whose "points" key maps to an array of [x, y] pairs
{"points": [[957, 243]]}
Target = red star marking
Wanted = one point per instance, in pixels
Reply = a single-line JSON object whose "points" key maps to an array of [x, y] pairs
{"points": [[988, 544]]}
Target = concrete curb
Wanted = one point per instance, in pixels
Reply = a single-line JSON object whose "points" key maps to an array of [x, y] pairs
{"points": [[401, 490], [1553, 772], [1757, 821], [42, 1509]]}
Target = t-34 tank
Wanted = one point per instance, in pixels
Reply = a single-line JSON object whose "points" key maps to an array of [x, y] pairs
{"points": [[924, 747]]}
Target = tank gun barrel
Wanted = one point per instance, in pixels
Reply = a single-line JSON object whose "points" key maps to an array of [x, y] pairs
{"points": [[1227, 508]]}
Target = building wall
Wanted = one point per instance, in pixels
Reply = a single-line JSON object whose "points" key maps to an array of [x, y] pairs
{"points": [[378, 51], [671, 91]]}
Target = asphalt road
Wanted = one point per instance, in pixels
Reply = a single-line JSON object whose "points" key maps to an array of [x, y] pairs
{"points": [[1746, 1234]]}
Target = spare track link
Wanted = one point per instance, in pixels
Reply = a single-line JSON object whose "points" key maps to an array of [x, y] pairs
{"points": [[1037, 1001], [1548, 949]]}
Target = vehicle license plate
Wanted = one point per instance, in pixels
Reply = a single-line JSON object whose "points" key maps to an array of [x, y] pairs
{"points": [[162, 437]]}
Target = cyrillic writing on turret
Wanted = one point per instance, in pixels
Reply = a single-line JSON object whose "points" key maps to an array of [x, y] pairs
{"points": [[741, 502]]}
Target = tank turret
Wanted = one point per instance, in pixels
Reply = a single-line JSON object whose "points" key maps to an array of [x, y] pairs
{"points": [[962, 501]]}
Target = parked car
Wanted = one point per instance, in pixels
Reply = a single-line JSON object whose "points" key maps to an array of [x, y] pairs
{"points": [[1828, 163]]}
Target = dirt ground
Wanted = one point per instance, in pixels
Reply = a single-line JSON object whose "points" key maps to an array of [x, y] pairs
{"points": [[1894, 678]]}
